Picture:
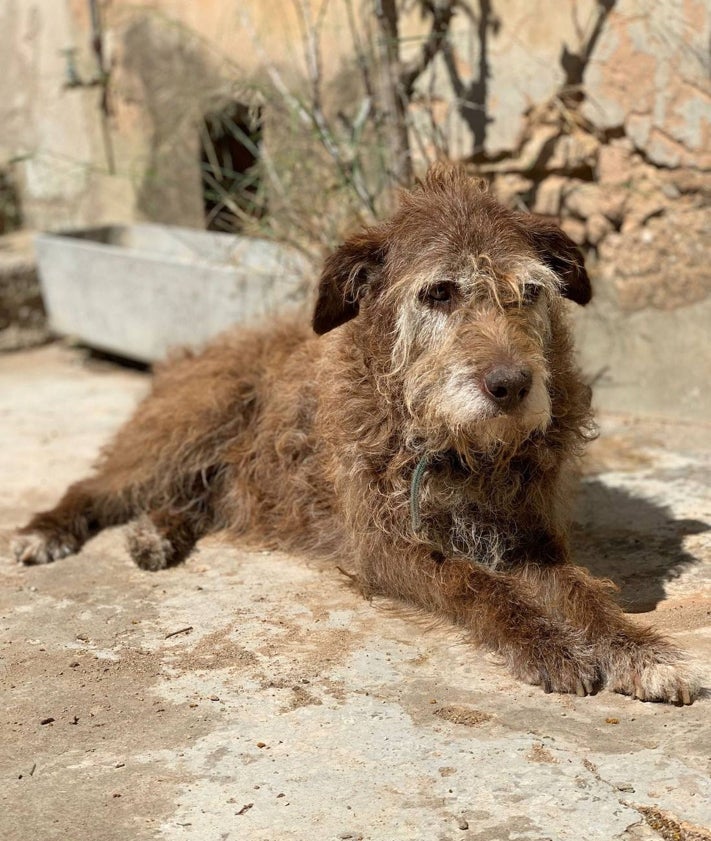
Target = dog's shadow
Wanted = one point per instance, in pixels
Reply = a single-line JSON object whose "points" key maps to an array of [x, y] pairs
{"points": [[636, 543]]}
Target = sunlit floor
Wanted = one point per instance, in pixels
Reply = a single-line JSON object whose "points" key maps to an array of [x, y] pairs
{"points": [[256, 696]]}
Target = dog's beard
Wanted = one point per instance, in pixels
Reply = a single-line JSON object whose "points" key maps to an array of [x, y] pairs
{"points": [[458, 415]]}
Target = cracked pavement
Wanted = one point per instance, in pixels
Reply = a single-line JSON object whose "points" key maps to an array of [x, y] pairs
{"points": [[250, 695]]}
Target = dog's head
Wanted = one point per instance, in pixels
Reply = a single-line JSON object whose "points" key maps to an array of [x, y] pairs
{"points": [[459, 300]]}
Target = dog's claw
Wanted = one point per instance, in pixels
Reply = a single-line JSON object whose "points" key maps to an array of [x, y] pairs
{"points": [[657, 675], [34, 548]]}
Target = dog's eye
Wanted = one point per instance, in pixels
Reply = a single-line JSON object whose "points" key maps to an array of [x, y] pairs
{"points": [[438, 295], [531, 293]]}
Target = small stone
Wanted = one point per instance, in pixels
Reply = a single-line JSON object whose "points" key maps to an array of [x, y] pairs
{"points": [[510, 187], [549, 195], [613, 164], [575, 229], [47, 720], [671, 191], [624, 787], [261, 744], [598, 227], [463, 823], [572, 152], [535, 152], [583, 200]]}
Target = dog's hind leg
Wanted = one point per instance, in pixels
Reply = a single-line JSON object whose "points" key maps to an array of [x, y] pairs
{"points": [[86, 508], [163, 537], [157, 461], [160, 539]]}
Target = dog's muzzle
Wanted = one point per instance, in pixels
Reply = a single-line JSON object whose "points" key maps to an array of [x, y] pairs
{"points": [[507, 385]]}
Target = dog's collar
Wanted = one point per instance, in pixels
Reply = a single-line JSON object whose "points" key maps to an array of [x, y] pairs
{"points": [[418, 474], [415, 483]]}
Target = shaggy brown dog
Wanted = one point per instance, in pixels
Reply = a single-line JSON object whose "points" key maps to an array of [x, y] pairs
{"points": [[424, 439]]}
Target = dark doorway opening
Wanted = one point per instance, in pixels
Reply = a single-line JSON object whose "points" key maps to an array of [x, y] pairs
{"points": [[230, 138]]}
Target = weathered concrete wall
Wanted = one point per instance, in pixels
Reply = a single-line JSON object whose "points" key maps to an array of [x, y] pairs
{"points": [[649, 76], [598, 114], [648, 82], [168, 64], [51, 134]]}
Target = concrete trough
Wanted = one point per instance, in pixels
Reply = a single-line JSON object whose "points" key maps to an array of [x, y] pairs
{"points": [[138, 290]]}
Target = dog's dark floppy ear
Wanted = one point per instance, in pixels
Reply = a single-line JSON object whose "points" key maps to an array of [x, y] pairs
{"points": [[345, 275], [560, 253]]}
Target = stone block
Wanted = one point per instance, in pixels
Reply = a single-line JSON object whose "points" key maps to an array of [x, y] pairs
{"points": [[549, 195], [139, 290], [597, 228], [583, 200]]}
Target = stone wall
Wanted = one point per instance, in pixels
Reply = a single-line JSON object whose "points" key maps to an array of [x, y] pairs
{"points": [[595, 112], [599, 115]]}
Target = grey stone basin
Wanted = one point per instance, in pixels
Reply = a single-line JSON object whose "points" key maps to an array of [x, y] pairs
{"points": [[138, 290]]}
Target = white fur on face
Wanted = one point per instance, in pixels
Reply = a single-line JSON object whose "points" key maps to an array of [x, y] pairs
{"points": [[462, 399], [429, 355], [463, 402]]}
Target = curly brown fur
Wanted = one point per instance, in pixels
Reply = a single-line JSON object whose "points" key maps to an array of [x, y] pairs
{"points": [[441, 341]]}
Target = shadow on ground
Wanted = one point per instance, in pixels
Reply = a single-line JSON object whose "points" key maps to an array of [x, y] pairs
{"points": [[636, 543]]}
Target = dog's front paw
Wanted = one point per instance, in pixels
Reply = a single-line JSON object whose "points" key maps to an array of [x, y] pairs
{"points": [[559, 663], [654, 672], [37, 547]]}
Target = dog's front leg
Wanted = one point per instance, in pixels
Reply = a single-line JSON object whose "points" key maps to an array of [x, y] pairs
{"points": [[500, 612], [635, 660]]}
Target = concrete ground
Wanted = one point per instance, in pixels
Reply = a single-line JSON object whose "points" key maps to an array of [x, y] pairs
{"points": [[256, 696]]}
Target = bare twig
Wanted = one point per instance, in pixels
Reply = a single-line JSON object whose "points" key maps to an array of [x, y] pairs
{"points": [[314, 117], [393, 103], [364, 63], [442, 14], [179, 631]]}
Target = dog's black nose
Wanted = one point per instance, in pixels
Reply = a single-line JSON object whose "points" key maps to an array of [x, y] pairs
{"points": [[507, 385]]}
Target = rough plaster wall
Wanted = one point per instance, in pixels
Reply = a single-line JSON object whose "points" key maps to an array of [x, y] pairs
{"points": [[50, 134], [629, 173], [167, 75], [507, 58], [647, 333], [650, 75]]}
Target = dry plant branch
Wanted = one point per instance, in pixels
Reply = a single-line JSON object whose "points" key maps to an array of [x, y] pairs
{"points": [[442, 14], [312, 115]]}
